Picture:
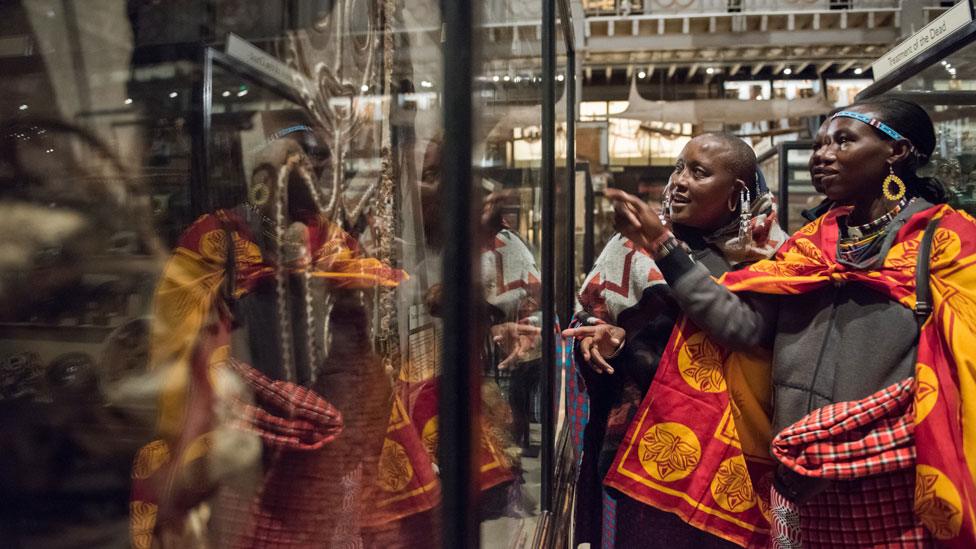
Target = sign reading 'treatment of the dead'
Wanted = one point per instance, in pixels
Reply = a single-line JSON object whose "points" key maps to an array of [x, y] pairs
{"points": [[955, 18]]}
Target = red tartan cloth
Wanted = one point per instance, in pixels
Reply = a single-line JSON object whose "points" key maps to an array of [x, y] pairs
{"points": [[867, 447], [849, 440], [876, 511], [285, 415]]}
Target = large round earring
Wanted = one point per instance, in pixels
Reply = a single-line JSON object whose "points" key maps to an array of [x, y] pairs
{"points": [[899, 193], [259, 194]]}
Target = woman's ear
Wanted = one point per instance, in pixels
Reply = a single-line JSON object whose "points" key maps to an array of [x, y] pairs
{"points": [[900, 149], [737, 189]]}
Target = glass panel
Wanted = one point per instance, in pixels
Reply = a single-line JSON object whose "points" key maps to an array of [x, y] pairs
{"points": [[802, 195], [219, 276], [507, 157], [947, 90]]}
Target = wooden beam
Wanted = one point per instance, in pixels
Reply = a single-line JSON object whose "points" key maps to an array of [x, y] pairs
{"points": [[735, 69], [756, 68], [693, 70]]}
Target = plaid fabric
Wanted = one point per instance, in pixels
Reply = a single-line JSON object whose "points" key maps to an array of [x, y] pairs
{"points": [[286, 415], [877, 511], [850, 440]]}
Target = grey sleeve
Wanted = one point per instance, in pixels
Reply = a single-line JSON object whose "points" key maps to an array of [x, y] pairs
{"points": [[736, 321]]}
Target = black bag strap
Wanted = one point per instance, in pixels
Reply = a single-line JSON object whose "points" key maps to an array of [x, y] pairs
{"points": [[923, 292]]}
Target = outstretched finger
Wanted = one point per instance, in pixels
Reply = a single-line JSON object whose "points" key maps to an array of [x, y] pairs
{"points": [[585, 348], [527, 329], [509, 360], [582, 331], [599, 364]]}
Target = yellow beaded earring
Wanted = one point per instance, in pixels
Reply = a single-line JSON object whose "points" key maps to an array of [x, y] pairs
{"points": [[899, 184]]}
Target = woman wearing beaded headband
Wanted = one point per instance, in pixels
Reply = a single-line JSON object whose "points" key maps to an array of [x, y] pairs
{"points": [[865, 437], [718, 201]]}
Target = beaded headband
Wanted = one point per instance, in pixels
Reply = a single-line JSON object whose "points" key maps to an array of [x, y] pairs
{"points": [[291, 129], [874, 122]]}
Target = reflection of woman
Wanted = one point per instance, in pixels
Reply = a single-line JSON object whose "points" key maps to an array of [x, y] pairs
{"points": [[510, 285], [629, 313], [243, 291], [871, 394]]}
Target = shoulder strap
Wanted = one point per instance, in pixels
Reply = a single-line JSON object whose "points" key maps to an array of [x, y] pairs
{"points": [[923, 293]]}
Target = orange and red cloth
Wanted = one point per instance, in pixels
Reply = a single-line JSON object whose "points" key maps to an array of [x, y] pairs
{"points": [[700, 444], [190, 344]]}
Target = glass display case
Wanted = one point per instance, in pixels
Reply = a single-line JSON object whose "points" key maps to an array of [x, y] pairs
{"points": [[943, 81], [272, 273]]}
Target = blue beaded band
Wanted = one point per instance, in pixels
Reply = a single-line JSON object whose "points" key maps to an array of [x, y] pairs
{"points": [[291, 129], [870, 122]]}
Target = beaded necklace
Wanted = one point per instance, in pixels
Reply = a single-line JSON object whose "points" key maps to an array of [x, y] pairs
{"points": [[861, 241]]}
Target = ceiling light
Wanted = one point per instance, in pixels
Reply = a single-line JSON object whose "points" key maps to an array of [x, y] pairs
{"points": [[364, 88], [128, 101], [242, 93], [710, 70], [426, 84], [226, 93], [560, 77], [858, 70], [787, 71], [172, 95], [23, 107], [506, 78], [642, 75]]}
